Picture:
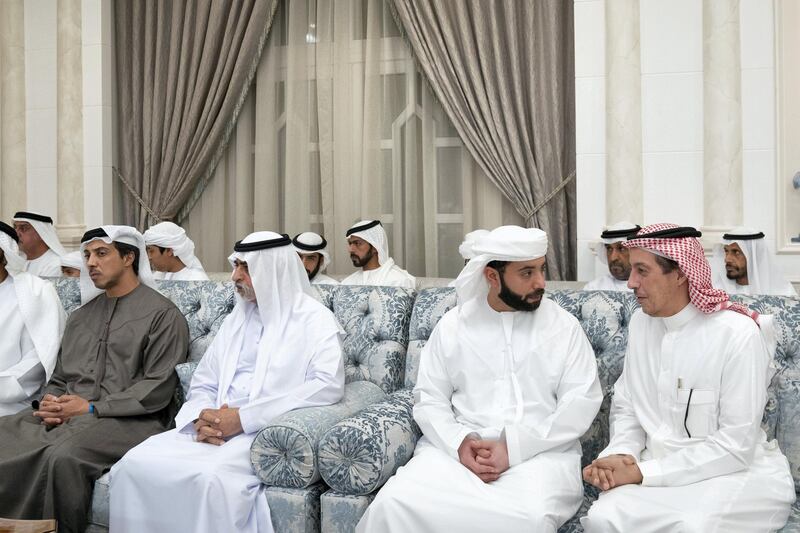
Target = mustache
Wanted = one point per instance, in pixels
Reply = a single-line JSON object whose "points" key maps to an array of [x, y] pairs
{"points": [[538, 293]]}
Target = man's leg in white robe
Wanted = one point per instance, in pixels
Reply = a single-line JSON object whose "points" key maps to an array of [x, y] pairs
{"points": [[436, 493], [171, 483], [755, 501]]}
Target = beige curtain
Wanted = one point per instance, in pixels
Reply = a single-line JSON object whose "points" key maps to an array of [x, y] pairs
{"points": [[503, 71], [13, 166], [339, 127], [183, 70]]}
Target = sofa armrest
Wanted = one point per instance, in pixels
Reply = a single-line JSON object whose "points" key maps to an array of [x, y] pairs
{"points": [[284, 454], [358, 455]]}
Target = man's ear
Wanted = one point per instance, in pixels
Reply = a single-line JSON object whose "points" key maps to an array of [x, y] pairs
{"points": [[492, 276], [682, 278], [128, 259], [169, 252]]}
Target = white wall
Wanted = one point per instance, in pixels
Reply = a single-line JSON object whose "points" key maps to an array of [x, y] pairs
{"points": [[671, 54]]}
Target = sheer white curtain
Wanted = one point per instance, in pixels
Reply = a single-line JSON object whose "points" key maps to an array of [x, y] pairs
{"points": [[340, 126]]}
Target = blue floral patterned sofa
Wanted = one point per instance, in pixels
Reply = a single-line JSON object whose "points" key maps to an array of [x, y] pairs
{"points": [[284, 455], [359, 454], [323, 466]]}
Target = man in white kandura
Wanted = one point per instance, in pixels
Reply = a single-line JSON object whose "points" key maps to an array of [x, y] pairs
{"points": [[614, 257], [171, 254], [744, 264], [687, 452], [278, 350], [507, 385], [31, 324], [313, 251], [369, 251], [39, 242]]}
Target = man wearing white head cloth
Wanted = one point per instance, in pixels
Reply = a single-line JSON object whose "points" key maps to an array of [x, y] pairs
{"points": [[614, 258], [507, 385], [369, 251], [278, 350], [112, 386], [171, 253], [71, 264], [32, 324], [313, 252], [465, 249], [743, 264], [39, 242]]}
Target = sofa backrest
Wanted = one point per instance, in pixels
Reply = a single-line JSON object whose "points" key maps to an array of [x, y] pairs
{"points": [[374, 319], [205, 304], [605, 315]]}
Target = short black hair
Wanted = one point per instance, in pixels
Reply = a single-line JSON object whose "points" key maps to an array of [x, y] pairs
{"points": [[667, 265], [125, 249], [500, 266]]}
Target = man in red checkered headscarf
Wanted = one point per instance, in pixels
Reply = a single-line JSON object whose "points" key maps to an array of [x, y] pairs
{"points": [[687, 452]]}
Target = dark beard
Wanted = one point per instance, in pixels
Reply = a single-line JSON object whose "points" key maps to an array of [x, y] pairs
{"points": [[313, 273], [361, 261], [625, 272], [519, 301]]}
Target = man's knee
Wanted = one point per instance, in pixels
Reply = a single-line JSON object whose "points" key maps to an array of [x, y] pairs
{"points": [[602, 517]]}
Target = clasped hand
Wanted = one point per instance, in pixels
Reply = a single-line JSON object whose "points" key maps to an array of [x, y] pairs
{"points": [[215, 426], [612, 471], [54, 411], [487, 459]]}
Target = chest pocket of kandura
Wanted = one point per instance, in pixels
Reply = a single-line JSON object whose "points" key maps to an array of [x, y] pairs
{"points": [[695, 412]]}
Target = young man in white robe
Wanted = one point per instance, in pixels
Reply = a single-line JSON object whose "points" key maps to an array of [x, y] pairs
{"points": [[507, 385], [614, 258], [39, 242], [31, 325], [369, 252], [687, 452], [171, 254], [278, 350], [744, 264], [313, 251]]}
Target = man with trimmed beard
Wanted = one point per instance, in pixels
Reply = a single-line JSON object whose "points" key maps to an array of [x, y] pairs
{"points": [[369, 251], [613, 255], [313, 251], [744, 264], [507, 385]]}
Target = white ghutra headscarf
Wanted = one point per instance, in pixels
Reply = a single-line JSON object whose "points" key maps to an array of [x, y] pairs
{"points": [[170, 235], [764, 276], [43, 225], [313, 243], [372, 231]]}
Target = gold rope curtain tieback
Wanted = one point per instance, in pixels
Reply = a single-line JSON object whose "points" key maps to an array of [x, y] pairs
{"points": [[528, 216], [136, 196]]}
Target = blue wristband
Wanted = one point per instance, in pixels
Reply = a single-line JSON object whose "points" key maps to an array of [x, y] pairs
{"points": [[91, 408]]}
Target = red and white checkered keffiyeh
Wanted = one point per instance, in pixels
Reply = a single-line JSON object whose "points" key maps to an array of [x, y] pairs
{"points": [[688, 252]]}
